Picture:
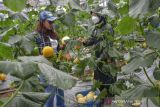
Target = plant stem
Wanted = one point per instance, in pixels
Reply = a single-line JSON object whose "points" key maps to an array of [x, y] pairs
{"points": [[148, 76], [141, 28], [11, 98], [147, 102]]}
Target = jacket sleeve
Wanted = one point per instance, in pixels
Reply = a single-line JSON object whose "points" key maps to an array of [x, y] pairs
{"points": [[90, 41]]}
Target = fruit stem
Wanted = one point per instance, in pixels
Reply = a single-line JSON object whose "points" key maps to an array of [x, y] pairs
{"points": [[148, 76], [11, 98]]}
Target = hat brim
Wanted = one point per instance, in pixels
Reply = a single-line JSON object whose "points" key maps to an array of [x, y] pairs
{"points": [[51, 18]]}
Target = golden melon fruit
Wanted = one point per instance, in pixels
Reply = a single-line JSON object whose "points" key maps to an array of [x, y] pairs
{"points": [[48, 51]]}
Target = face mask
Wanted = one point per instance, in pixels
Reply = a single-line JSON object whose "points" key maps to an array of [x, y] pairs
{"points": [[95, 19]]}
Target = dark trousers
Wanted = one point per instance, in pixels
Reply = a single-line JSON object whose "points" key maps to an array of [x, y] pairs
{"points": [[105, 79]]}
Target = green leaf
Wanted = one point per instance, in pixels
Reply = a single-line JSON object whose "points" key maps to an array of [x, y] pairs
{"points": [[22, 70], [7, 66], [15, 5], [90, 2], [154, 5], [3, 100], [114, 89], [154, 20], [137, 62], [155, 100], [69, 19], [36, 59], [14, 39], [36, 97], [156, 74], [6, 34], [96, 84], [135, 93], [126, 25], [56, 77], [6, 52], [113, 7], [116, 1], [113, 52], [6, 23], [138, 7], [27, 45], [32, 85], [102, 94], [151, 92], [1, 103], [153, 39], [21, 101], [109, 69], [75, 4], [124, 10]]}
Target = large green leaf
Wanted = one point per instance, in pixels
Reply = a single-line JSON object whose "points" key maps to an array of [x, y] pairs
{"points": [[15, 5], [22, 70], [154, 20], [90, 2], [27, 45], [153, 39], [57, 77], [9, 32], [136, 93], [32, 85], [6, 23], [21, 101], [154, 4], [138, 7], [126, 25], [137, 62], [112, 6], [6, 51], [7, 66], [141, 7], [156, 100], [36, 59], [14, 39], [75, 4], [109, 68], [113, 52], [69, 19], [39, 98], [124, 10], [114, 89]]}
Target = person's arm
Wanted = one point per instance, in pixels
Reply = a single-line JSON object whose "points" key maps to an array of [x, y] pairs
{"points": [[93, 40], [90, 41]]}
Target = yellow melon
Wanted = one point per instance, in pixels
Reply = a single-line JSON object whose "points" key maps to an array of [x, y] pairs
{"points": [[48, 51], [82, 100], [3, 77], [90, 97], [79, 96]]}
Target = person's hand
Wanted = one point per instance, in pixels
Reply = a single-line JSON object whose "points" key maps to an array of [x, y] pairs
{"points": [[62, 47], [82, 40]]}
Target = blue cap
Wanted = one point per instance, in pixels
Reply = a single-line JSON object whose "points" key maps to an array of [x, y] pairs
{"points": [[46, 15]]}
